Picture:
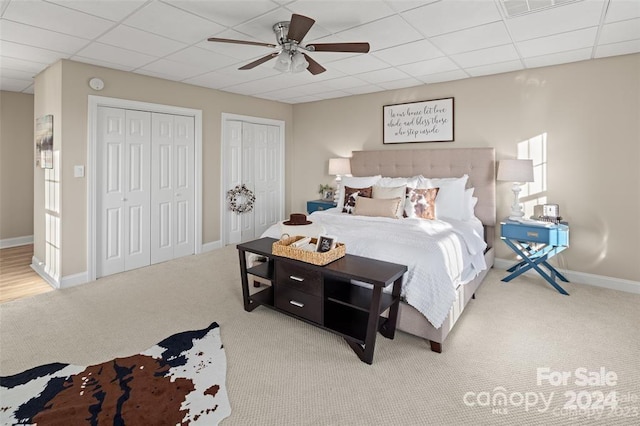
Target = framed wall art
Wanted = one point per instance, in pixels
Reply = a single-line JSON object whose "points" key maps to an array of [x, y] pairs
{"points": [[44, 141], [426, 121]]}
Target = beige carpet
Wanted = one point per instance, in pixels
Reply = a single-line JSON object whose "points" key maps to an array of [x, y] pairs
{"points": [[285, 372]]}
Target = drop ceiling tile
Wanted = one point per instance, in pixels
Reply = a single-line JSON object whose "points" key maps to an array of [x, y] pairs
{"points": [[400, 84], [340, 15], [29, 53], [403, 5], [264, 85], [332, 94], [359, 64], [420, 50], [174, 70], [14, 85], [298, 99], [361, 90], [480, 37], [56, 18], [383, 75], [444, 76], [620, 31], [620, 10], [115, 55], [29, 89], [38, 37], [495, 68], [342, 83], [560, 19], [22, 65], [16, 74], [223, 11], [384, 33], [486, 56], [558, 58], [115, 10], [622, 48], [431, 66], [558, 43], [216, 80], [101, 63], [203, 58], [451, 15], [173, 23], [141, 41]]}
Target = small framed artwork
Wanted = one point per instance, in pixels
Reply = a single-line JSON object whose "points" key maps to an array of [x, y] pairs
{"points": [[426, 121], [325, 243], [328, 195]]}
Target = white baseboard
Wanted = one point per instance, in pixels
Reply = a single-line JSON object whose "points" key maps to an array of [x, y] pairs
{"points": [[214, 245], [584, 278], [74, 280], [38, 266], [15, 242]]}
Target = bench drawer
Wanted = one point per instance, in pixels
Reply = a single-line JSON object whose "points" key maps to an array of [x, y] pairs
{"points": [[299, 278], [299, 303]]}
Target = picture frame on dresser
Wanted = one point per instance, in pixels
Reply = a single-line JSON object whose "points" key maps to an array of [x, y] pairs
{"points": [[425, 121]]}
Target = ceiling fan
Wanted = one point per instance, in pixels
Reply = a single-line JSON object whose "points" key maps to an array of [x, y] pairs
{"points": [[291, 54]]}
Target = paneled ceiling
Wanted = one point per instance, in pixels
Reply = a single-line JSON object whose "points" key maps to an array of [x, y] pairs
{"points": [[412, 42]]}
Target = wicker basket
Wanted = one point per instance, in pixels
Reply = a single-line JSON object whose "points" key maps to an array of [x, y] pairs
{"points": [[283, 248]]}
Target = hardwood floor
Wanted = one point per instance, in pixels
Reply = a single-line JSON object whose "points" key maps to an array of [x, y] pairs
{"points": [[17, 279]]}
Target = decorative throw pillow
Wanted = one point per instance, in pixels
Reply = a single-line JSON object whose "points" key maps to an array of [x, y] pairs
{"points": [[421, 203], [355, 182], [385, 193], [351, 196], [377, 207]]}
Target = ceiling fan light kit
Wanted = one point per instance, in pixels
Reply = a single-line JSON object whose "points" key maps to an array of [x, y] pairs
{"points": [[290, 55]]}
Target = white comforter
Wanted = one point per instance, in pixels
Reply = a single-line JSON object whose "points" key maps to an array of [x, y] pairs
{"points": [[440, 255]]}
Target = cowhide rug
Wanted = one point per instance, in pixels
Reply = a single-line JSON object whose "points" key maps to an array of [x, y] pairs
{"points": [[179, 381]]}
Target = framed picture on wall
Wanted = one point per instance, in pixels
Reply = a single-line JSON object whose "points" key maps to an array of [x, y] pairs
{"points": [[44, 141], [426, 121]]}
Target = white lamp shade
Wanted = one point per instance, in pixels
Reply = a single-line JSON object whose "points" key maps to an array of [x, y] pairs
{"points": [[515, 170], [283, 62], [339, 166], [298, 63]]}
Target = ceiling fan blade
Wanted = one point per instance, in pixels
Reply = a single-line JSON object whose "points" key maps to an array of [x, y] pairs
{"points": [[299, 27], [314, 67], [340, 47], [258, 61], [252, 43]]}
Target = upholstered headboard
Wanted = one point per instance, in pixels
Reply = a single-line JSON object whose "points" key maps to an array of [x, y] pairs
{"points": [[478, 163]]}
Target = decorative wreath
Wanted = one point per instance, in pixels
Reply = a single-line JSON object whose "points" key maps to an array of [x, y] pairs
{"points": [[240, 199]]}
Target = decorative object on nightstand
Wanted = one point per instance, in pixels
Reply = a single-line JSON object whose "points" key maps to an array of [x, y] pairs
{"points": [[315, 205], [326, 192], [535, 242], [339, 167], [518, 172]]}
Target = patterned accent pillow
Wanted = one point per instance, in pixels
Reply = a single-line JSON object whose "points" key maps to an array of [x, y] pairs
{"points": [[351, 195], [421, 203]]}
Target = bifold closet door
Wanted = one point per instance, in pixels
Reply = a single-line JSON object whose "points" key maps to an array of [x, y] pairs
{"points": [[123, 206], [172, 187]]}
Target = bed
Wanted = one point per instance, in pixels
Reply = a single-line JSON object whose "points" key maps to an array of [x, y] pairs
{"points": [[431, 294]]}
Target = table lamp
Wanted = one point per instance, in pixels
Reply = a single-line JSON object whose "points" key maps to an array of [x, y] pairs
{"points": [[518, 172], [339, 167]]}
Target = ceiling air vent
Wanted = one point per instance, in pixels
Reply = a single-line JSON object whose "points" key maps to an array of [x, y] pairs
{"points": [[513, 8]]}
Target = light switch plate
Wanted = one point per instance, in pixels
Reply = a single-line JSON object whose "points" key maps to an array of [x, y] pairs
{"points": [[78, 171]]}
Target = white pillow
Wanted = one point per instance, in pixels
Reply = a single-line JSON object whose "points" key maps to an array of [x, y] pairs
{"points": [[411, 182], [470, 204], [450, 202], [388, 192], [355, 182]]}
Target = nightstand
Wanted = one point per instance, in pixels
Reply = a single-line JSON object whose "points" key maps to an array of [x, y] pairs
{"points": [[535, 243], [315, 205]]}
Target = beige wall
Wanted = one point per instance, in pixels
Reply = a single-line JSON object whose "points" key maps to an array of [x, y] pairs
{"points": [[589, 111], [17, 159], [130, 86]]}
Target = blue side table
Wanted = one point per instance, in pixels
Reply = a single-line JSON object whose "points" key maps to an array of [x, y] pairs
{"points": [[535, 243], [315, 205]]}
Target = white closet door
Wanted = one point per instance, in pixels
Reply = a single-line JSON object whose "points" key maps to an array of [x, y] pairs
{"points": [[267, 172], [172, 182], [123, 202], [233, 158], [247, 225]]}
